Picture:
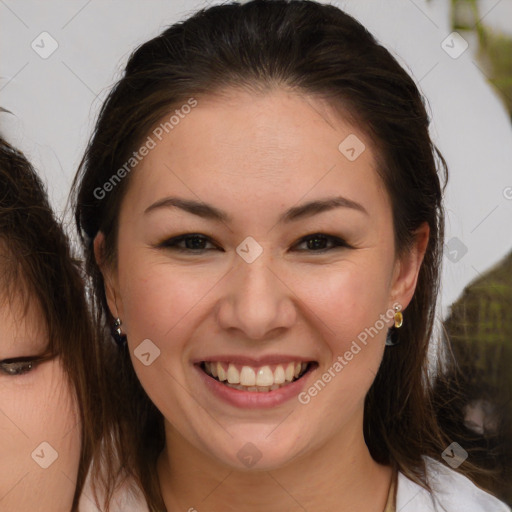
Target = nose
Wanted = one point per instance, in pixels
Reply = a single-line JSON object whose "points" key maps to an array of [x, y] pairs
{"points": [[257, 301]]}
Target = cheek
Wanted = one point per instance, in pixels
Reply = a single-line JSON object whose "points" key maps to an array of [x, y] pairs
{"points": [[162, 304], [347, 307], [39, 434], [347, 299], [160, 299]]}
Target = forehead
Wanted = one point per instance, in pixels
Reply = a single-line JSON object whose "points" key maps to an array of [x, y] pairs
{"points": [[273, 146], [22, 323], [21, 318]]}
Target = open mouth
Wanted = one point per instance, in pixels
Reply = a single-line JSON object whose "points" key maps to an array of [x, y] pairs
{"points": [[261, 379]]}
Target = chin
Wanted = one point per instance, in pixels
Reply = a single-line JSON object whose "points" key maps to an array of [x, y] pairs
{"points": [[257, 449]]}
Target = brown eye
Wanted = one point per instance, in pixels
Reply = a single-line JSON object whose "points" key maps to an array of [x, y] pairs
{"points": [[21, 365], [320, 242], [13, 367], [192, 243]]}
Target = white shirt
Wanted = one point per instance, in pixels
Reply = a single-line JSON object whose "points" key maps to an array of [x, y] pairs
{"points": [[452, 492]]}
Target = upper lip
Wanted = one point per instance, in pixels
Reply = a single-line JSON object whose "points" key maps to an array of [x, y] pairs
{"points": [[254, 361]]}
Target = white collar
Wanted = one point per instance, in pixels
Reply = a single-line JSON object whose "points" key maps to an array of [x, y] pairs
{"points": [[452, 492]]}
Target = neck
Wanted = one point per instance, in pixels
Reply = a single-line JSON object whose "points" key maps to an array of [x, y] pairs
{"points": [[338, 476]]}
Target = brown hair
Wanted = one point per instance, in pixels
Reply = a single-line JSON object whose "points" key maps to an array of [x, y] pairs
{"points": [[313, 49], [36, 264]]}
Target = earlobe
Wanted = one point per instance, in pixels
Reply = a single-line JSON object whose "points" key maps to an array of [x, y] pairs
{"points": [[408, 267]]}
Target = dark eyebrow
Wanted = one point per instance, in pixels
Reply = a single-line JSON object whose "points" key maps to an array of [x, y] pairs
{"points": [[319, 206], [207, 211], [198, 208]]}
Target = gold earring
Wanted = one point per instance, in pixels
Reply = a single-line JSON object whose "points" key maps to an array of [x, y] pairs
{"points": [[392, 334], [399, 318]]}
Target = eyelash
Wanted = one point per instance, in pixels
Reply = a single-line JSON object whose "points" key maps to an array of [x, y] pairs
{"points": [[21, 365], [172, 243]]}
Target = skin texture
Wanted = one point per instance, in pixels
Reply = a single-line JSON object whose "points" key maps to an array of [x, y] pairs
{"points": [[35, 407], [255, 156]]}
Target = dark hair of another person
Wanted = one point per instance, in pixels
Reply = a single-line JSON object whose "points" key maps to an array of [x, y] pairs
{"points": [[36, 263], [316, 50]]}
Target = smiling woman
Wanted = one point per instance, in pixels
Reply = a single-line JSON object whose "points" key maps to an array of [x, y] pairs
{"points": [[269, 248], [49, 381]]}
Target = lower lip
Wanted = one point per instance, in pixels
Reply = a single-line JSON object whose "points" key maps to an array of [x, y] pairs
{"points": [[254, 399]]}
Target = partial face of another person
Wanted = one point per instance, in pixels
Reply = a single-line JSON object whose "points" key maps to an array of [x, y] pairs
{"points": [[39, 422], [253, 285]]}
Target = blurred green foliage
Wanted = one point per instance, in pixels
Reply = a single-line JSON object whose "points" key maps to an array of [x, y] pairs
{"points": [[494, 48]]}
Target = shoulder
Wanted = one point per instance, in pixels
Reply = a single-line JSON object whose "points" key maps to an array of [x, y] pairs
{"points": [[452, 492]]}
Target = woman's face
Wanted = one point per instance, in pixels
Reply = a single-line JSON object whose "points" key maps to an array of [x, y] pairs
{"points": [[39, 433], [251, 295]]}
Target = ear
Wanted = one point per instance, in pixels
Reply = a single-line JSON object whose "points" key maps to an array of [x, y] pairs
{"points": [[407, 268], [109, 274]]}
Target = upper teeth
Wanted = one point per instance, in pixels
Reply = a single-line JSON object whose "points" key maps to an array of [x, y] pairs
{"points": [[249, 376]]}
